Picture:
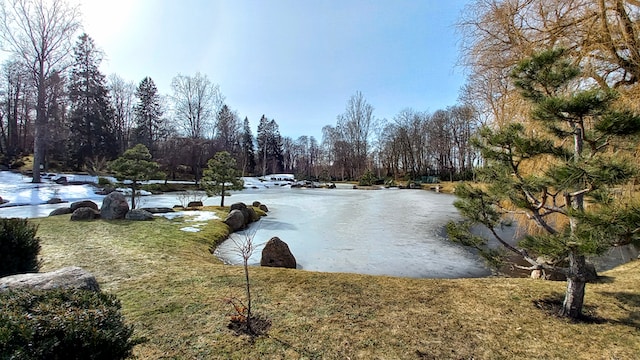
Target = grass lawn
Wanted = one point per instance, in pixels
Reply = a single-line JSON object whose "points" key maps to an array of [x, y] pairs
{"points": [[173, 291]]}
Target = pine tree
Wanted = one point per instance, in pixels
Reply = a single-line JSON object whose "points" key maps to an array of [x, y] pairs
{"points": [[221, 175], [135, 165], [148, 113], [91, 119], [563, 181]]}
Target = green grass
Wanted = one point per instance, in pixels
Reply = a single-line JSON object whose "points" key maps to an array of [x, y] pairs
{"points": [[173, 291]]}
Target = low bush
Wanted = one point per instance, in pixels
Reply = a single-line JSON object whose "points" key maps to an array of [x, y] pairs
{"points": [[103, 181], [62, 324], [19, 247]]}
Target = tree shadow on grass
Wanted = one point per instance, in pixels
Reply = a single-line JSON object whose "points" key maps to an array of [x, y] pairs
{"points": [[629, 302], [552, 305]]}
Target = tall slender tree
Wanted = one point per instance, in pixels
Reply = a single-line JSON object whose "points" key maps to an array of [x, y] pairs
{"points": [[39, 33], [227, 130], [196, 101], [91, 119], [270, 149], [122, 101], [148, 113], [247, 152]]}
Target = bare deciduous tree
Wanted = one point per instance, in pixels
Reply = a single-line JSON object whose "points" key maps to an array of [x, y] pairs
{"points": [[39, 33], [123, 100], [196, 101]]}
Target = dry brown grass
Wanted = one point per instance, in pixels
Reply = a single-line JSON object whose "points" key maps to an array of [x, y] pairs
{"points": [[173, 292]]}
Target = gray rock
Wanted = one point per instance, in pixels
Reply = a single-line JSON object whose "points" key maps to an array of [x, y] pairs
{"points": [[276, 253], [2, 201], [195, 204], [235, 220], [139, 215], [60, 211], [65, 278], [84, 214], [237, 206], [83, 203], [54, 200], [256, 204], [263, 207], [114, 206]]}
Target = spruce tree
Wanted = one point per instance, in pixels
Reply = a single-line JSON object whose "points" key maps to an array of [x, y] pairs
{"points": [[247, 149], [564, 181], [270, 146], [148, 113], [91, 118]]}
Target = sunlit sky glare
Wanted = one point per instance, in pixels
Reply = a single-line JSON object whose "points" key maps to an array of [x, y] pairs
{"points": [[296, 61]]}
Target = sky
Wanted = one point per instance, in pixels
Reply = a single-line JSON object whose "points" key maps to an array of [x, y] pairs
{"points": [[295, 61]]}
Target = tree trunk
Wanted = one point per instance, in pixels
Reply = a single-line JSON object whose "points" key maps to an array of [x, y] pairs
{"points": [[576, 282], [40, 134], [133, 195]]}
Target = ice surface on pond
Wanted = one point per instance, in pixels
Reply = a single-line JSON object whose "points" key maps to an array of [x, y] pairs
{"points": [[380, 232]]}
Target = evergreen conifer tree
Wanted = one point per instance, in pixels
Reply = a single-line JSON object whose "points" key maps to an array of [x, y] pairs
{"points": [[148, 113], [247, 149], [563, 181], [221, 175], [91, 118]]}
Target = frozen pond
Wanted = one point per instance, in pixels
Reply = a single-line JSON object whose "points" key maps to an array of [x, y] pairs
{"points": [[378, 232]]}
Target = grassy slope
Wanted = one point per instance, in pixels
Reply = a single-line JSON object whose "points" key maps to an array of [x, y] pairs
{"points": [[173, 291]]}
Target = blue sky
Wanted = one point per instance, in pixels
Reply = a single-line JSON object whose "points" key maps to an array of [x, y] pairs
{"points": [[296, 61]]}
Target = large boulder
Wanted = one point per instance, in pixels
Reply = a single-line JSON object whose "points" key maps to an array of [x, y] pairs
{"points": [[60, 211], [65, 278], [263, 207], [235, 220], [192, 204], [114, 206], [249, 213], [276, 253], [139, 215], [85, 213], [83, 203], [237, 206]]}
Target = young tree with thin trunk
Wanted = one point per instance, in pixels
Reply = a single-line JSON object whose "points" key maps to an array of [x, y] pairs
{"points": [[135, 165], [39, 33], [148, 113], [221, 175], [571, 199]]}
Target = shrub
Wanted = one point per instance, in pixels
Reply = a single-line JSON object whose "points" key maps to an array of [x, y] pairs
{"points": [[19, 247], [367, 179], [103, 181], [62, 324]]}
